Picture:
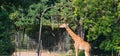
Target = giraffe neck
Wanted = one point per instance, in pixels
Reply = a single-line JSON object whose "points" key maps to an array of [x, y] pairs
{"points": [[72, 34]]}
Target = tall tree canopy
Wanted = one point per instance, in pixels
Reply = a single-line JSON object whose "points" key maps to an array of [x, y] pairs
{"points": [[101, 21]]}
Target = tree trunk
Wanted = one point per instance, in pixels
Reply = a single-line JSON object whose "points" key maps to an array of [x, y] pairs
{"points": [[81, 31], [23, 36]]}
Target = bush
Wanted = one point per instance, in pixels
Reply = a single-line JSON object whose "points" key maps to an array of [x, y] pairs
{"points": [[6, 47], [81, 53]]}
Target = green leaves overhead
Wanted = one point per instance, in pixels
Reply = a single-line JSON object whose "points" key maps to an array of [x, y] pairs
{"points": [[20, 19], [99, 20], [25, 17], [64, 9]]}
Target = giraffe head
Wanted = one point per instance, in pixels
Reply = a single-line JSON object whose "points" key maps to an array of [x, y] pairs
{"points": [[64, 25]]}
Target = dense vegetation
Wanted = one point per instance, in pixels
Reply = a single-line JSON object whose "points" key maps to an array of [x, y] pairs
{"points": [[98, 22]]}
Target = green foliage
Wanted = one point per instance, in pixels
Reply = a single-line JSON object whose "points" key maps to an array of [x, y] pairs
{"points": [[81, 53], [62, 11], [100, 21], [20, 19], [6, 38], [25, 17]]}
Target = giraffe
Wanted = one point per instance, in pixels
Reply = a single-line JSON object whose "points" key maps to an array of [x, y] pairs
{"points": [[79, 43]]}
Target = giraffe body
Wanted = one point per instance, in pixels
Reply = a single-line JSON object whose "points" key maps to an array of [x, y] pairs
{"points": [[79, 43]]}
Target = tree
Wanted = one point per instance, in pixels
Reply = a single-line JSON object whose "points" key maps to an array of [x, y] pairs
{"points": [[6, 30], [99, 21]]}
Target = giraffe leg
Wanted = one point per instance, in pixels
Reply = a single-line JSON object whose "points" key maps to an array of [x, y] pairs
{"points": [[87, 53], [76, 50]]}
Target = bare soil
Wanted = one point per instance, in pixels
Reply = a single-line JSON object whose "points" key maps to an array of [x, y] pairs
{"points": [[33, 53]]}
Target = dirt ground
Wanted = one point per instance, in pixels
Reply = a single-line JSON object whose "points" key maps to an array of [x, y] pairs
{"points": [[33, 53]]}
